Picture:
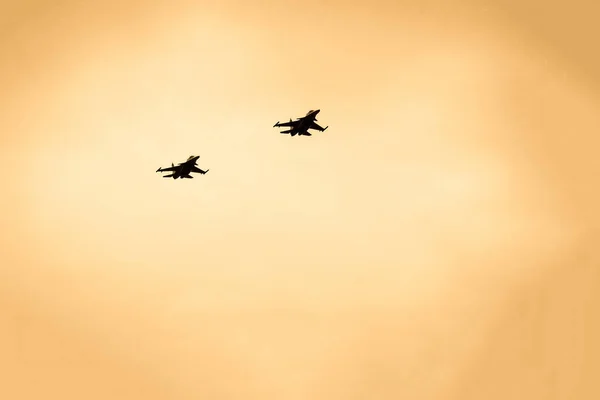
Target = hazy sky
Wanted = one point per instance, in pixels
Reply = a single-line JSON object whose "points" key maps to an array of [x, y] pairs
{"points": [[438, 241]]}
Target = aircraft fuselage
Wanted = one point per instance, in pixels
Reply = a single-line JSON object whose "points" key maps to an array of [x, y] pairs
{"points": [[306, 122]]}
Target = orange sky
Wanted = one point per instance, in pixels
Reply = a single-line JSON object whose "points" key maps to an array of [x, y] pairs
{"points": [[436, 242]]}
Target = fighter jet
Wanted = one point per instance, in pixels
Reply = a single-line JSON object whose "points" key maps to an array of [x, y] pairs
{"points": [[183, 170], [301, 125]]}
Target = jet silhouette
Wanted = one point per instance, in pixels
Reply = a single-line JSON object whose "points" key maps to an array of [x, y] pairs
{"points": [[183, 170], [301, 125]]}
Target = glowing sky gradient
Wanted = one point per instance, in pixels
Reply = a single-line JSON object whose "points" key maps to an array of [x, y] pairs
{"points": [[438, 241]]}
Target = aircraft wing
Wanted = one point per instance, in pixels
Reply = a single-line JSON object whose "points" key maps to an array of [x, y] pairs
{"points": [[316, 126], [198, 170]]}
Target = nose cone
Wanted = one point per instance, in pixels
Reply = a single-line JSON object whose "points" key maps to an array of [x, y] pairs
{"points": [[317, 111]]}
